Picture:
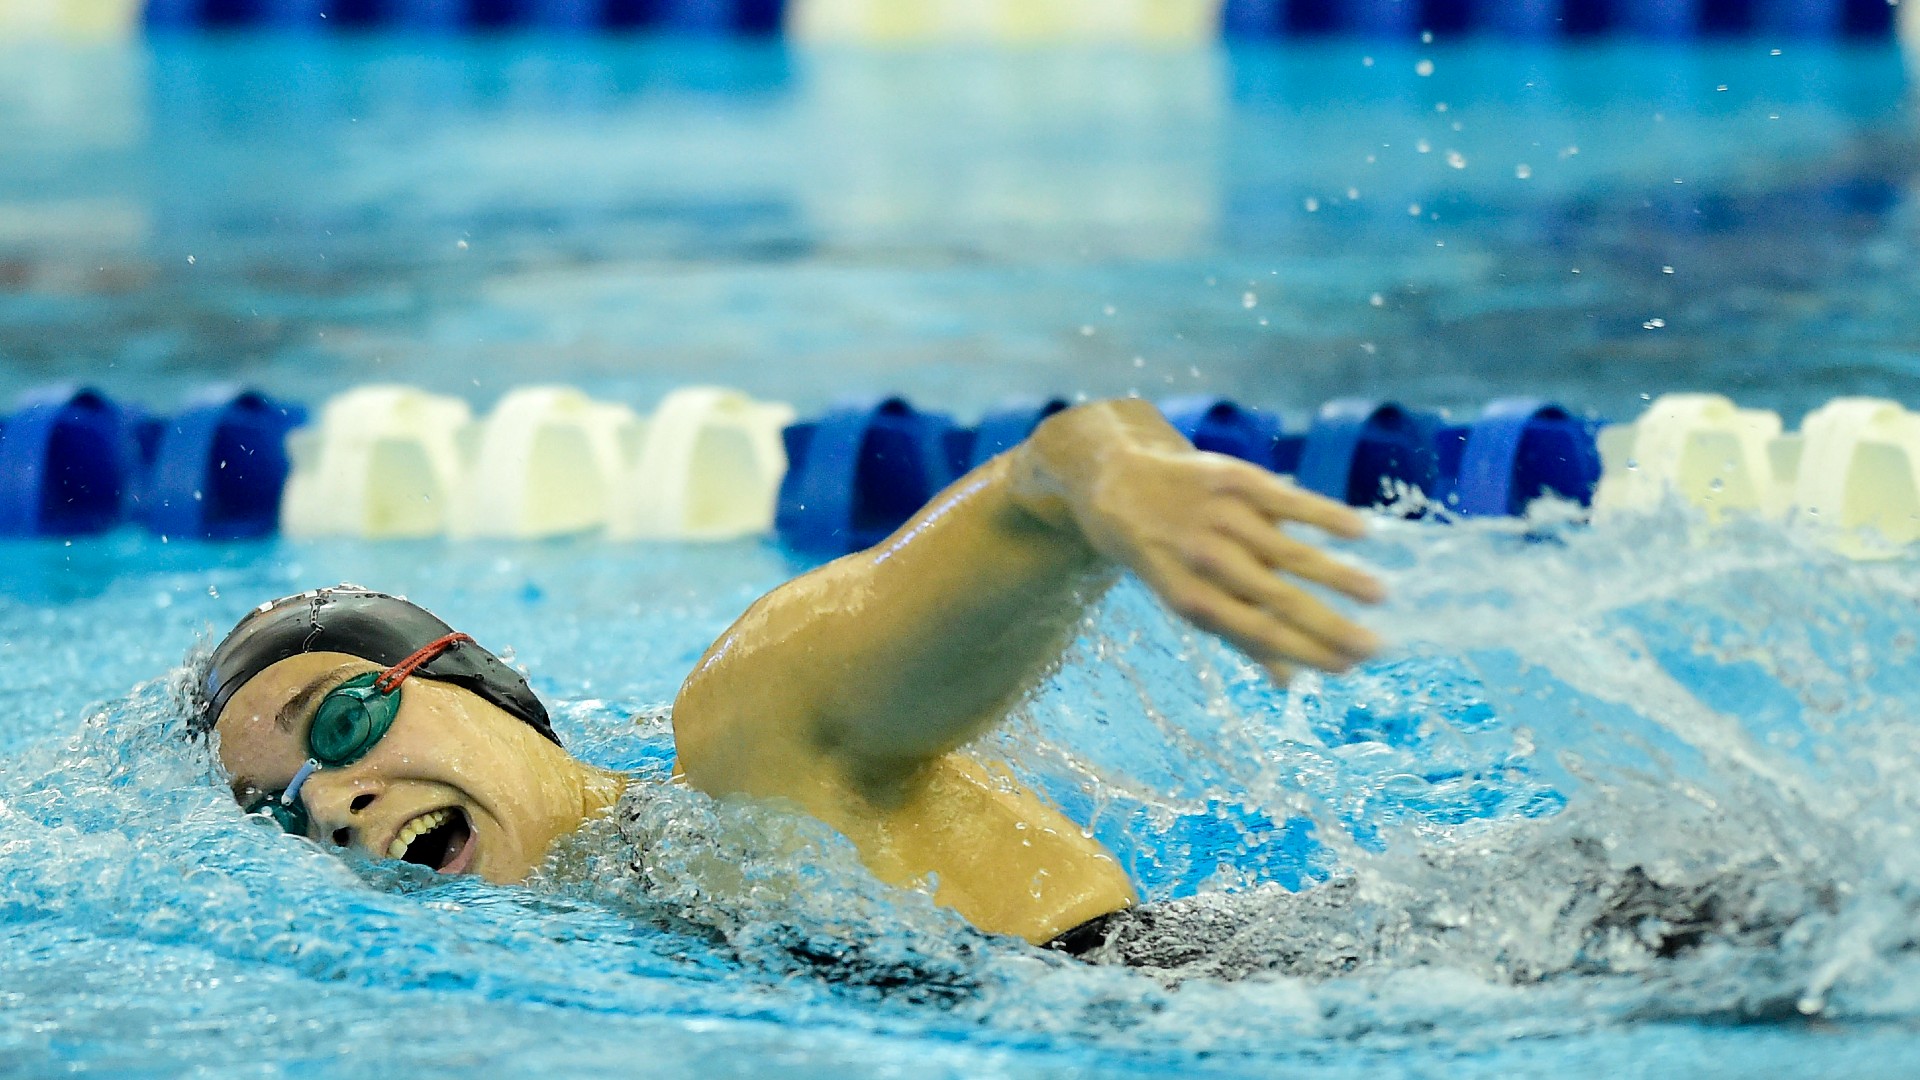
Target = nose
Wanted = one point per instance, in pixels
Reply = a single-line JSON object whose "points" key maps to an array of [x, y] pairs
{"points": [[337, 802]]}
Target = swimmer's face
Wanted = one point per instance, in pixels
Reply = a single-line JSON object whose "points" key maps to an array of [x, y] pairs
{"points": [[456, 783]]}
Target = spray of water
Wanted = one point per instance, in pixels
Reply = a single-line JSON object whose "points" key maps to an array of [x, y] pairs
{"points": [[1608, 777]]}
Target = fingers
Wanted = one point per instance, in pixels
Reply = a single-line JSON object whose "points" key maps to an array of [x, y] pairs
{"points": [[1231, 567], [1219, 560], [1278, 551], [1282, 500], [1253, 629]]}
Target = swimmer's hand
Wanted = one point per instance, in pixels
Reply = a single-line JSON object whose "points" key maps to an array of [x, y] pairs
{"points": [[1203, 531], [858, 674]]}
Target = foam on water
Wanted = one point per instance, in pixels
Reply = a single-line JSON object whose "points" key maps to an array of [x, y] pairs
{"points": [[1618, 786]]}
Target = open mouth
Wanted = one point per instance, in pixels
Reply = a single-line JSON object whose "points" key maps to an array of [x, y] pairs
{"points": [[441, 840]]}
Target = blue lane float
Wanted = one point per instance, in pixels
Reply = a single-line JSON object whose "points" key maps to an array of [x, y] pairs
{"points": [[1007, 426], [861, 471], [1518, 450], [1224, 427], [1366, 452], [67, 460], [864, 469], [1671, 20], [217, 469]]}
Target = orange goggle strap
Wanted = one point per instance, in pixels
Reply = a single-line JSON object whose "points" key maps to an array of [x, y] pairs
{"points": [[390, 679]]}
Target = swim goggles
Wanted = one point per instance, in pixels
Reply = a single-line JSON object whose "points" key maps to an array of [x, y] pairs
{"points": [[349, 722]]}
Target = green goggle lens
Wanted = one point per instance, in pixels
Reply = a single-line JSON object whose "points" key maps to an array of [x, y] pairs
{"points": [[291, 817], [351, 719], [350, 722]]}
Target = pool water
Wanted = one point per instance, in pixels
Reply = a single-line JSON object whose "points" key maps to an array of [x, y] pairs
{"points": [[1561, 705]]}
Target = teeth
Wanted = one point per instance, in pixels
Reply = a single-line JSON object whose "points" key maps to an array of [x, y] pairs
{"points": [[422, 824]]}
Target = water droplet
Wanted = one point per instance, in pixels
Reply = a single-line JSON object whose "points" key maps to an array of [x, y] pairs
{"points": [[461, 244], [1366, 61], [1439, 106], [1423, 146], [1666, 269], [1456, 159], [1086, 331], [190, 260], [1139, 361], [1313, 205], [1248, 300], [1653, 324], [1423, 69], [1377, 300], [1108, 311], [1413, 209], [1353, 193], [1523, 170]]}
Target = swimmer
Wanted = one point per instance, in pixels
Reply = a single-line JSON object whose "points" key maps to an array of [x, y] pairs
{"points": [[360, 721]]}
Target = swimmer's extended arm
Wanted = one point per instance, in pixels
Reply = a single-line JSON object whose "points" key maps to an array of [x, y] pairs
{"points": [[882, 661]]}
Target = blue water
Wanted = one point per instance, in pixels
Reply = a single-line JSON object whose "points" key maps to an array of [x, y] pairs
{"points": [[960, 226], [1733, 710]]}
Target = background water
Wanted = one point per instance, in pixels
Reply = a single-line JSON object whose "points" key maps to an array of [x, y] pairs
{"points": [[473, 215], [1730, 709]]}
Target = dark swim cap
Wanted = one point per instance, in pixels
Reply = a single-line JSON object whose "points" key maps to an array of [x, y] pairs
{"points": [[373, 626]]}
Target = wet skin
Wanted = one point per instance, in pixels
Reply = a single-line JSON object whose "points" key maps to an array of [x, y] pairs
{"points": [[849, 692], [447, 749]]}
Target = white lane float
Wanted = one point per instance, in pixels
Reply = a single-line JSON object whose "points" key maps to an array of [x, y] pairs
{"points": [[1162, 22], [1853, 468], [1859, 472], [382, 462], [709, 467], [1701, 447], [545, 462]]}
